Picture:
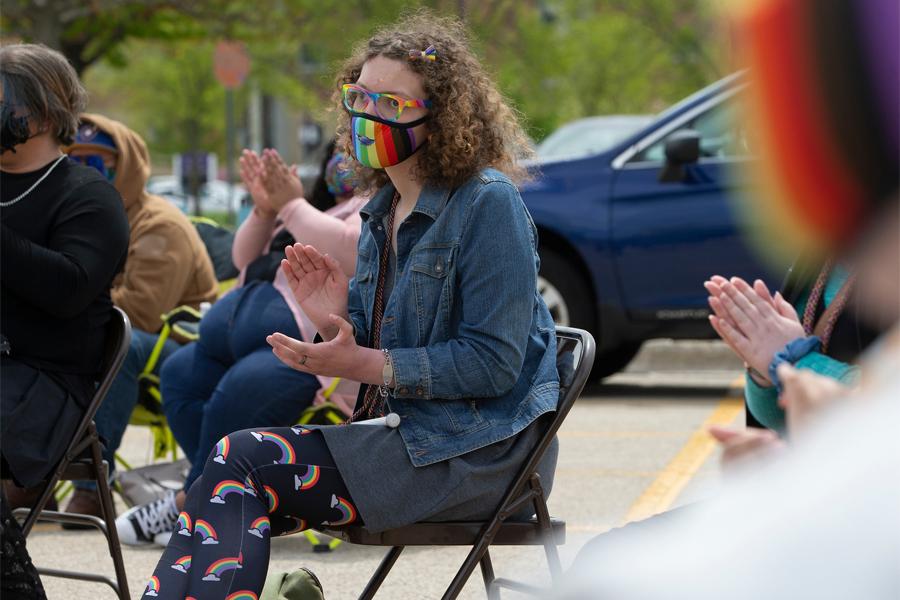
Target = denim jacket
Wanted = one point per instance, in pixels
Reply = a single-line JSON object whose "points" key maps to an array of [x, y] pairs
{"points": [[472, 343]]}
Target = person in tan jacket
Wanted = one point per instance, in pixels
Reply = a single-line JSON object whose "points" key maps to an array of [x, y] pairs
{"points": [[167, 266]]}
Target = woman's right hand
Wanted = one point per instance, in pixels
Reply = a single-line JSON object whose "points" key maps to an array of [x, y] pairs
{"points": [[319, 285], [252, 171]]}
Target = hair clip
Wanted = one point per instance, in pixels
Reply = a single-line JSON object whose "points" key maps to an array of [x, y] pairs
{"points": [[428, 53]]}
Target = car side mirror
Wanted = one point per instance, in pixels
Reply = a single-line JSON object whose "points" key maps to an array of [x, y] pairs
{"points": [[682, 148]]}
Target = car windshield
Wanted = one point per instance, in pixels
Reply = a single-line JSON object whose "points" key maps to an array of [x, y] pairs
{"points": [[589, 136]]}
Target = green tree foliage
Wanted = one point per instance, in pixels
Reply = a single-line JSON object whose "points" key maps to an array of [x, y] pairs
{"points": [[168, 93], [150, 61]]}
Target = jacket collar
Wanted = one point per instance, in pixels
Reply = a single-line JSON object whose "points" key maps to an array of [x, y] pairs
{"points": [[431, 202]]}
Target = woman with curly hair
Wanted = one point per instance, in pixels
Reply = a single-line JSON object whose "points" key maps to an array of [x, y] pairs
{"points": [[441, 322]]}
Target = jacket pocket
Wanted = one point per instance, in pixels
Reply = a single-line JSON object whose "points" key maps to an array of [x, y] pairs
{"points": [[432, 272], [363, 284], [463, 415]]}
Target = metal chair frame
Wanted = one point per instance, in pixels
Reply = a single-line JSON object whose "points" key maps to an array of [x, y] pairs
{"points": [[74, 465], [572, 344]]}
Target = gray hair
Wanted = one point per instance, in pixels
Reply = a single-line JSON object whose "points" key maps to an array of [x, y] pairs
{"points": [[41, 83]]}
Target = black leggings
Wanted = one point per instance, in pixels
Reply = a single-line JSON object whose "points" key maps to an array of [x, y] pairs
{"points": [[256, 484], [19, 580]]}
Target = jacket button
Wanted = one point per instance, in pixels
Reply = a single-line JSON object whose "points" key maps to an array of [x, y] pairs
{"points": [[420, 391], [438, 267], [404, 390]]}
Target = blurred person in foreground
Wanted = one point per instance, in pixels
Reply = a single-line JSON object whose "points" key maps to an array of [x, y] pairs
{"points": [[822, 521], [229, 379], [64, 237], [167, 267]]}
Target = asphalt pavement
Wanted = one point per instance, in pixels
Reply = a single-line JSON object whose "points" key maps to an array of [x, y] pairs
{"points": [[630, 448]]}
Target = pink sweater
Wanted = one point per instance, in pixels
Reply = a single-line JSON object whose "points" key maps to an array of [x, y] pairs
{"points": [[334, 232]]}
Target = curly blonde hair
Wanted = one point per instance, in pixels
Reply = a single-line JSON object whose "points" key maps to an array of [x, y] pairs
{"points": [[471, 125]]}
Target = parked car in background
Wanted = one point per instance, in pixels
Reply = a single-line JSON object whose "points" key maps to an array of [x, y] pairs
{"points": [[215, 196], [629, 234], [589, 136]]}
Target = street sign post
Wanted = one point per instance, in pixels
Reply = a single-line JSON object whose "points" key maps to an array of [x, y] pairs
{"points": [[231, 64]]}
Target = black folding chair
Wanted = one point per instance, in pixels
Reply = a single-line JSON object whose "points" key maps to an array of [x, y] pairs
{"points": [[575, 357], [83, 461]]}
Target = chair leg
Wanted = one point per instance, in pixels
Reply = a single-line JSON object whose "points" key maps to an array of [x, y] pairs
{"points": [[38, 508], [383, 569], [487, 573], [550, 549], [478, 550], [109, 515]]}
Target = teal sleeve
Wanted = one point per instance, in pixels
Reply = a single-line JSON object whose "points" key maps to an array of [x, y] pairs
{"points": [[762, 402], [829, 367]]}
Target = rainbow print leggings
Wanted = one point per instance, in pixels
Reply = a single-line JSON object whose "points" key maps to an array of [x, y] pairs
{"points": [[256, 484]]}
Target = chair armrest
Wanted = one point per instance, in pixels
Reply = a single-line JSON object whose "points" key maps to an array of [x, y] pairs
{"points": [[184, 321]]}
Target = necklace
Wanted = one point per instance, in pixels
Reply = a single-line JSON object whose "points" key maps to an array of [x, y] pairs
{"points": [[370, 405], [34, 185]]}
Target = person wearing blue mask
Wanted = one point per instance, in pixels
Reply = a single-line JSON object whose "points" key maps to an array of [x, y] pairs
{"points": [[95, 148]]}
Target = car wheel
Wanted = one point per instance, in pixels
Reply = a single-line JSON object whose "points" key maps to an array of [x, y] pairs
{"points": [[565, 292], [568, 297]]}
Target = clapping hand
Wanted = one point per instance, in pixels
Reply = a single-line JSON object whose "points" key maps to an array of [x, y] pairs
{"points": [[252, 172], [753, 322], [340, 357], [319, 285], [281, 182]]}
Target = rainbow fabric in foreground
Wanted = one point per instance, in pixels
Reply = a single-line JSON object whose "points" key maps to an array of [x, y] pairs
{"points": [[823, 100]]}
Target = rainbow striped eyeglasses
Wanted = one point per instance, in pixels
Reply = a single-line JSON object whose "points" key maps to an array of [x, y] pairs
{"points": [[387, 106]]}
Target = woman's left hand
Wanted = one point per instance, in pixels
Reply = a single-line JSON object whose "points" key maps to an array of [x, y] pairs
{"points": [[340, 357], [757, 328]]}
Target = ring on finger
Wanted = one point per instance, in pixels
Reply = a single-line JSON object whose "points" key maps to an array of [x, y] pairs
{"points": [[303, 360]]}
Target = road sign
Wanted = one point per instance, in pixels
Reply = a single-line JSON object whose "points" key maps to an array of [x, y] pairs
{"points": [[231, 63]]}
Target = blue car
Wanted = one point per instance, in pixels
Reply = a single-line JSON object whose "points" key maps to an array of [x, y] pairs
{"points": [[628, 235]]}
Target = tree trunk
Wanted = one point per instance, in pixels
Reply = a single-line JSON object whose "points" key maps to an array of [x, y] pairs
{"points": [[47, 29]]}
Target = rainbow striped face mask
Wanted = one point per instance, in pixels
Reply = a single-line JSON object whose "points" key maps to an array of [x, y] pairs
{"points": [[378, 143]]}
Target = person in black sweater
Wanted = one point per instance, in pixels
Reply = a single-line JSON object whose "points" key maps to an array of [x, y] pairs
{"points": [[64, 238]]}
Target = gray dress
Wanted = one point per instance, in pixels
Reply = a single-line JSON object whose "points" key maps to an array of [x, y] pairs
{"points": [[390, 492]]}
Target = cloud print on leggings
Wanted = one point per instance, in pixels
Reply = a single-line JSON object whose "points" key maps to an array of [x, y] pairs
{"points": [[183, 564], [152, 587]]}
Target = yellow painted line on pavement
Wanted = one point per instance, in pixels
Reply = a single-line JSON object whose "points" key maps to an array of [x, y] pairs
{"points": [[662, 493]]}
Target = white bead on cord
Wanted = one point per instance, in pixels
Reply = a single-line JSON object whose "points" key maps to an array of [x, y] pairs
{"points": [[34, 185]]}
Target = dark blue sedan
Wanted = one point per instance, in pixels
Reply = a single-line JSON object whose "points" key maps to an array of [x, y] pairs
{"points": [[628, 235]]}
